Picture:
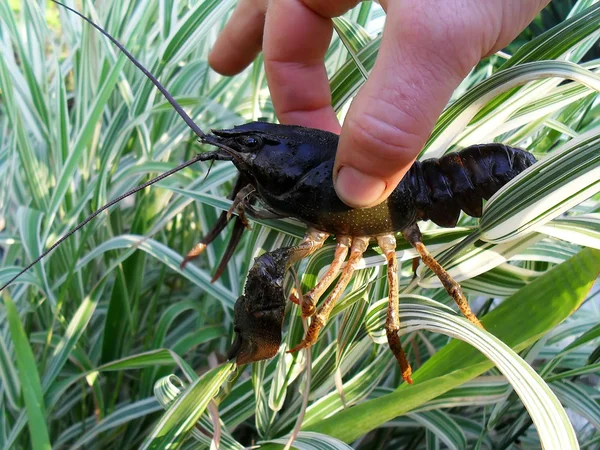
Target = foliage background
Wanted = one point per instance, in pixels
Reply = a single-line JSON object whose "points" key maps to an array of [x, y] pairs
{"points": [[103, 334]]}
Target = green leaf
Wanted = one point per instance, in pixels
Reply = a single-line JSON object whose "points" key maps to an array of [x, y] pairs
{"points": [[178, 421], [168, 389], [30, 379], [306, 440], [546, 190], [442, 425]]}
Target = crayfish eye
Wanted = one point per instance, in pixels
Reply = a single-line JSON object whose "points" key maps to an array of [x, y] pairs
{"points": [[249, 141]]}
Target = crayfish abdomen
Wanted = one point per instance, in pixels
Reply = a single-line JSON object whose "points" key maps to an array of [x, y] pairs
{"points": [[442, 187]]}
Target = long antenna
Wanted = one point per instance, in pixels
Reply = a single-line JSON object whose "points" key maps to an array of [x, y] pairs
{"points": [[188, 120], [198, 157]]}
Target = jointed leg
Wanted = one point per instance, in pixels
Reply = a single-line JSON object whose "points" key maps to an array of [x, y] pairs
{"points": [[413, 236], [261, 213], [310, 299], [219, 225], [199, 248], [387, 243], [239, 204], [312, 241], [236, 236], [359, 245]]}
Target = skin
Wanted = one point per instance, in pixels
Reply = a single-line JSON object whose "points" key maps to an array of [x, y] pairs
{"points": [[428, 48]]}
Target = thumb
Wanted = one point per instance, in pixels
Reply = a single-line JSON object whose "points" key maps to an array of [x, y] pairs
{"points": [[420, 63]]}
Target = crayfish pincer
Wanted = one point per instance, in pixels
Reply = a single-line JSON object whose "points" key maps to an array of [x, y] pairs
{"points": [[287, 171]]}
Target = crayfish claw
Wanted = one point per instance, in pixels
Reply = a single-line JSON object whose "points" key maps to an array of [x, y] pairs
{"points": [[217, 228], [193, 254], [415, 266], [236, 236]]}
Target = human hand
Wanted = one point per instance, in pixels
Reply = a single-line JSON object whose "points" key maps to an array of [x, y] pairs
{"points": [[428, 48]]}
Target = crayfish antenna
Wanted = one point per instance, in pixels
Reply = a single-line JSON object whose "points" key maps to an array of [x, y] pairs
{"points": [[103, 208], [186, 118]]}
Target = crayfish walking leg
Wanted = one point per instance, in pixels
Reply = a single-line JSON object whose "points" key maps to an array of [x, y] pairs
{"points": [[239, 204], [413, 236], [387, 243], [310, 299], [359, 245]]}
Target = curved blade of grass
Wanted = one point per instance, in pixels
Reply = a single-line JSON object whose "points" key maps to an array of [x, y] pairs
{"points": [[442, 425], [582, 230], [9, 377], [120, 417], [189, 30], [29, 222], [550, 419], [348, 79], [545, 190], [307, 440], [7, 273], [484, 390], [167, 256], [154, 358], [454, 120], [168, 389], [176, 424], [25, 147], [560, 39], [354, 38], [291, 227], [551, 45], [30, 379], [467, 260], [74, 331], [139, 361], [83, 139], [578, 399]]}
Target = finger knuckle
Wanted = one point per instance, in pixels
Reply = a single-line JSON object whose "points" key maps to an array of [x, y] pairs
{"points": [[382, 141]]}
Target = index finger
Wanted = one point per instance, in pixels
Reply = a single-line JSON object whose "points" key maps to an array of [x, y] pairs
{"points": [[295, 42]]}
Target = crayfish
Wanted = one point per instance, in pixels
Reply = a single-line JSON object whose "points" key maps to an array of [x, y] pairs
{"points": [[288, 171]]}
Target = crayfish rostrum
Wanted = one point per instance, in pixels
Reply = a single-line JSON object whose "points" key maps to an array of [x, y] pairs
{"points": [[287, 170]]}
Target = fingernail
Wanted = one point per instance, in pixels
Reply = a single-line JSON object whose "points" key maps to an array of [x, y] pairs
{"points": [[357, 189]]}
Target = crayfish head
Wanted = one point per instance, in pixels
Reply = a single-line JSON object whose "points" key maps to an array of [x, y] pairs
{"points": [[241, 144], [274, 156], [257, 333]]}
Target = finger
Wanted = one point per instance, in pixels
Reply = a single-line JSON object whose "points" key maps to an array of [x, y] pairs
{"points": [[416, 71], [295, 42], [240, 41]]}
